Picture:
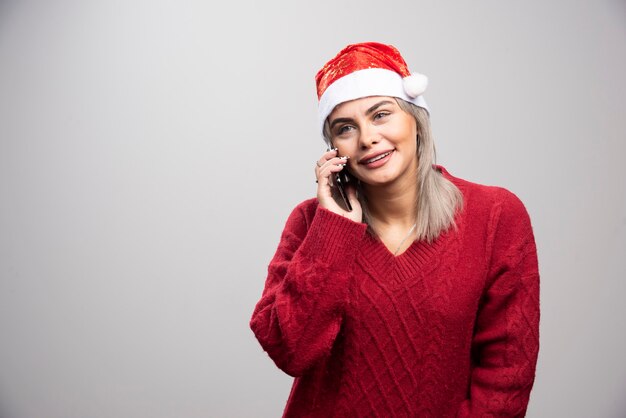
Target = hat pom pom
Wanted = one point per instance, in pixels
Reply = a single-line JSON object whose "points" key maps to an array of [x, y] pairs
{"points": [[415, 84]]}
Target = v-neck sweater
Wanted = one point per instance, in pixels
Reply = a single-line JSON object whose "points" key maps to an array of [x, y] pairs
{"points": [[445, 329]]}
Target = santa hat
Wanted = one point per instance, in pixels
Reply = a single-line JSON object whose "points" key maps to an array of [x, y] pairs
{"points": [[363, 70]]}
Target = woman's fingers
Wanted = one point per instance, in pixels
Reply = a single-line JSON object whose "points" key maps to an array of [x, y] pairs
{"points": [[325, 157], [329, 158], [327, 164], [325, 178], [325, 169], [326, 172]]}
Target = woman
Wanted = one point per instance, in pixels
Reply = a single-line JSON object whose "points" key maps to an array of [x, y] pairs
{"points": [[420, 301]]}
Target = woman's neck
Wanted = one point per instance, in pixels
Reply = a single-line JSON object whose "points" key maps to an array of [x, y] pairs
{"points": [[394, 204]]}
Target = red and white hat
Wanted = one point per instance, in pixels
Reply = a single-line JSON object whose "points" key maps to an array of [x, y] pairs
{"points": [[363, 70]]}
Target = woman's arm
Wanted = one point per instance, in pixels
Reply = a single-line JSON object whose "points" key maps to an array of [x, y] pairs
{"points": [[506, 337], [301, 309]]}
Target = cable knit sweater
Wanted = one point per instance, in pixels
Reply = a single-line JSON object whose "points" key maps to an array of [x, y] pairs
{"points": [[448, 329]]}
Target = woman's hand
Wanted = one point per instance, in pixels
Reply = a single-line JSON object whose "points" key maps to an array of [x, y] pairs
{"points": [[329, 164]]}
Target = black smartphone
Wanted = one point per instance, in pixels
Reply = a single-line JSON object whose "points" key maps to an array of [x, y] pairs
{"points": [[341, 180]]}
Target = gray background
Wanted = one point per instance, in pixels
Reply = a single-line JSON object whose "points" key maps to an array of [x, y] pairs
{"points": [[150, 152]]}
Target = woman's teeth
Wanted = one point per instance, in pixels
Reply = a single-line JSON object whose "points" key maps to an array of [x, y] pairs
{"points": [[380, 157]]}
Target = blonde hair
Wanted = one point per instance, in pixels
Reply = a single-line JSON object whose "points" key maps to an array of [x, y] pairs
{"points": [[438, 199]]}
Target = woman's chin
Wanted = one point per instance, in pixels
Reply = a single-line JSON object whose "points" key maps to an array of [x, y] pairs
{"points": [[378, 181]]}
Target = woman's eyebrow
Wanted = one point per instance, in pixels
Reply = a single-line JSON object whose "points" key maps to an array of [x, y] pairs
{"points": [[377, 105]]}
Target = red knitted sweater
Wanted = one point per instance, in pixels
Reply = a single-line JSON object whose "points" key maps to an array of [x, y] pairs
{"points": [[448, 329]]}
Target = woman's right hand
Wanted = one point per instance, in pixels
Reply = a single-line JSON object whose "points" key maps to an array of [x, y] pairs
{"points": [[325, 168]]}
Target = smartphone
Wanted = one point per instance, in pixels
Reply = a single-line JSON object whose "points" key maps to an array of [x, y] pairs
{"points": [[341, 180]]}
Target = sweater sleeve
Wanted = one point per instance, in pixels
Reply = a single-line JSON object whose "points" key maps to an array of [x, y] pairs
{"points": [[506, 336], [300, 311]]}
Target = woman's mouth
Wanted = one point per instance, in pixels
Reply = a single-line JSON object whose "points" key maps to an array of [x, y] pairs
{"points": [[377, 160]]}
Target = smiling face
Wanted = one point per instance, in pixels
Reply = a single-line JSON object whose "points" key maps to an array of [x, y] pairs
{"points": [[379, 137]]}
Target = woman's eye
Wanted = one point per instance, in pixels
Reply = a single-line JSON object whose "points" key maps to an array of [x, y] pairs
{"points": [[344, 129], [380, 115]]}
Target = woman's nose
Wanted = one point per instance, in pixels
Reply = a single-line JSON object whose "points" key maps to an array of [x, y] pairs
{"points": [[368, 136]]}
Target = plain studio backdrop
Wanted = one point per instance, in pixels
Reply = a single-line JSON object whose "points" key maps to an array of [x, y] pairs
{"points": [[151, 151]]}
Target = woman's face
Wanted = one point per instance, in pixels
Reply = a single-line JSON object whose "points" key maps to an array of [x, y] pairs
{"points": [[378, 136]]}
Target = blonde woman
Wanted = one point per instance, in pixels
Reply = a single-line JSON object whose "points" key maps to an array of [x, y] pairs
{"points": [[417, 295]]}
